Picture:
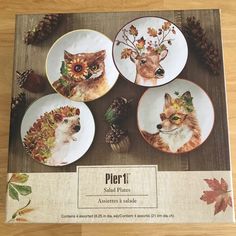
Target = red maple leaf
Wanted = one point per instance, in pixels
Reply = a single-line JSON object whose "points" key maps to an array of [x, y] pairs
{"points": [[219, 194]]}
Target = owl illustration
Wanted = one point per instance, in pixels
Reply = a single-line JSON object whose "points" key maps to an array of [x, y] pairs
{"points": [[82, 76]]}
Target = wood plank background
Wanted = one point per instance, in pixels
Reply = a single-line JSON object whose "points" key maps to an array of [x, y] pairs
{"points": [[7, 17], [212, 155]]}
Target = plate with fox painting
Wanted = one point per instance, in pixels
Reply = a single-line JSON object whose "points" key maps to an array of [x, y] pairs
{"points": [[79, 65], [150, 51], [58, 132], [179, 118]]}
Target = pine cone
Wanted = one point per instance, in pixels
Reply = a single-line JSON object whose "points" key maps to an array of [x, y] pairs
{"points": [[207, 52], [118, 139], [43, 29], [117, 111], [17, 107], [31, 81]]}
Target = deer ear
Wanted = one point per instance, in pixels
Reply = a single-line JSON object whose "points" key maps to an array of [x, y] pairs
{"points": [[163, 54], [68, 56], [167, 100], [133, 57]]}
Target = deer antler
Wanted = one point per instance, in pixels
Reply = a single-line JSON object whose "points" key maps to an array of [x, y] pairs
{"points": [[127, 41]]}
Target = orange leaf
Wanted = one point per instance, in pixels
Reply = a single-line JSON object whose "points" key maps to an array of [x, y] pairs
{"points": [[126, 53], [166, 25], [19, 178], [152, 32], [133, 30], [141, 43], [25, 211]]}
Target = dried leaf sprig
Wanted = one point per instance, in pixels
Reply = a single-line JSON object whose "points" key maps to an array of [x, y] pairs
{"points": [[206, 50], [19, 214]]}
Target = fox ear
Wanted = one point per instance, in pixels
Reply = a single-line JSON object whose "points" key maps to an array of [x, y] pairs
{"points": [[186, 95], [68, 56], [167, 99]]}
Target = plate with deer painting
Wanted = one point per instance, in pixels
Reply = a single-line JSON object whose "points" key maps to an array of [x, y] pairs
{"points": [[79, 65], [150, 51], [56, 131], [179, 117]]}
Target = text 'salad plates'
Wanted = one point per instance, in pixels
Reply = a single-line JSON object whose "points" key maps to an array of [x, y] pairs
{"points": [[150, 51], [79, 65], [173, 121], [57, 133]]}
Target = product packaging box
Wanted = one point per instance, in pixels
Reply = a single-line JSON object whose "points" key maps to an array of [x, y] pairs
{"points": [[119, 118]]}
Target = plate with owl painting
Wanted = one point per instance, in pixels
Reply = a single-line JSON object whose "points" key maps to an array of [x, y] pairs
{"points": [[79, 65], [150, 51]]}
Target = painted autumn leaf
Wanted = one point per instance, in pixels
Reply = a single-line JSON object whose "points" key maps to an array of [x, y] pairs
{"points": [[166, 25], [133, 30], [16, 187], [219, 194], [19, 178], [126, 53], [152, 32], [17, 216], [141, 43]]}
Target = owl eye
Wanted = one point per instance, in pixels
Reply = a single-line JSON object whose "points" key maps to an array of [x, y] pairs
{"points": [[94, 67], [78, 68]]}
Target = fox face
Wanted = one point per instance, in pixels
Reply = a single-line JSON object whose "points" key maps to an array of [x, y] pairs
{"points": [[179, 130], [85, 66], [175, 112]]}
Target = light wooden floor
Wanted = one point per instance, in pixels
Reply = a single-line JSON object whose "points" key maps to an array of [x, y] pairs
{"points": [[9, 8]]}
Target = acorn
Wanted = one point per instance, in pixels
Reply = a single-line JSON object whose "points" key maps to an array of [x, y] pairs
{"points": [[117, 111], [118, 139], [31, 81]]}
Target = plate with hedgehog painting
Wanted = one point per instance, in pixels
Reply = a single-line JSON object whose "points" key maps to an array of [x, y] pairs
{"points": [[150, 51], [79, 65], [179, 117], [57, 133]]}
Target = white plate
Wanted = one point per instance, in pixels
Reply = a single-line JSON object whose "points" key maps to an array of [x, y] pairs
{"points": [[83, 41], [71, 150], [141, 66], [151, 105]]}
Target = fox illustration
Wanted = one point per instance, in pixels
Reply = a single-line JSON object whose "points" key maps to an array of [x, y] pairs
{"points": [[83, 76], [179, 130]]}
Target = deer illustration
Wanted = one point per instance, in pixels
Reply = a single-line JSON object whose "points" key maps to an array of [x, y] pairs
{"points": [[147, 54], [148, 67]]}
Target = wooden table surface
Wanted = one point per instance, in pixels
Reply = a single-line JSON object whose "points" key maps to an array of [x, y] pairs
{"points": [[7, 27]]}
